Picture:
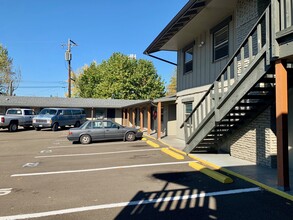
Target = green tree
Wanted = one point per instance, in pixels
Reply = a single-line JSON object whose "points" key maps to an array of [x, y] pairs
{"points": [[120, 77], [8, 79], [172, 86]]}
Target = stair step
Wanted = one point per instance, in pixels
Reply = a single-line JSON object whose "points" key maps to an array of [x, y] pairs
{"points": [[264, 96], [268, 80], [262, 89]]}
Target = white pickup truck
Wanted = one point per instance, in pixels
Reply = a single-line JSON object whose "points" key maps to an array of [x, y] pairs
{"points": [[15, 117]]}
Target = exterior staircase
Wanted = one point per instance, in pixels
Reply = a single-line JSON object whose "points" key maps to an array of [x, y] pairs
{"points": [[243, 89]]}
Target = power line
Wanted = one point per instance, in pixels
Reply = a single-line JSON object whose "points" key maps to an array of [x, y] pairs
{"points": [[41, 87], [45, 82]]}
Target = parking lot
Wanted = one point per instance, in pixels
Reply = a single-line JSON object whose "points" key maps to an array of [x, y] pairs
{"points": [[45, 176]]}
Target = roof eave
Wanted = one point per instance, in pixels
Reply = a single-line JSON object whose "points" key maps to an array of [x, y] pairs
{"points": [[186, 14]]}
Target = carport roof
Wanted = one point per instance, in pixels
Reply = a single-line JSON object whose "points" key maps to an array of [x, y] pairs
{"points": [[22, 101]]}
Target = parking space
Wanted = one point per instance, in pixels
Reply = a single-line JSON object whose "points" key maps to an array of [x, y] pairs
{"points": [[45, 176]]}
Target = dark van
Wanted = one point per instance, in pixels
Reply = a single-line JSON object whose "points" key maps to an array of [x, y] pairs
{"points": [[59, 117]]}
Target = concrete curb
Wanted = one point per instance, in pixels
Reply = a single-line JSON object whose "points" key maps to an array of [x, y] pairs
{"points": [[268, 188], [211, 173], [178, 151], [152, 144], [172, 153]]}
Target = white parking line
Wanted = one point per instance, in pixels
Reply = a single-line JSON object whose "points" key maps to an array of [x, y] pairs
{"points": [[131, 203], [92, 154], [100, 169], [96, 144], [4, 192]]}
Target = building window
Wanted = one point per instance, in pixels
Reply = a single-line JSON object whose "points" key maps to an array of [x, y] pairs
{"points": [[188, 109], [221, 43], [220, 36], [188, 59]]}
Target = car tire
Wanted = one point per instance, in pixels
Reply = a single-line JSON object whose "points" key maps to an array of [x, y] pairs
{"points": [[85, 139], [55, 127], [13, 127], [130, 136]]}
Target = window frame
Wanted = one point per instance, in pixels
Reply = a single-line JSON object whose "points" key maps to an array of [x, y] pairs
{"points": [[189, 63], [225, 24], [186, 104]]}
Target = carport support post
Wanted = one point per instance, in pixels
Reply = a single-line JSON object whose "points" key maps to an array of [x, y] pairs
{"points": [[159, 110], [282, 125], [92, 113], [149, 120], [133, 117], [128, 115], [123, 117], [141, 118]]}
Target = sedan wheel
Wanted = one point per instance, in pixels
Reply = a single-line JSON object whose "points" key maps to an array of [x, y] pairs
{"points": [[130, 136], [85, 139]]}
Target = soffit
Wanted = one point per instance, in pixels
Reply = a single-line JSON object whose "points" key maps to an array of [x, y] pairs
{"points": [[213, 13], [194, 18]]}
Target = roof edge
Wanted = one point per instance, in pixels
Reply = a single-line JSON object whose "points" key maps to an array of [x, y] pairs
{"points": [[192, 4]]}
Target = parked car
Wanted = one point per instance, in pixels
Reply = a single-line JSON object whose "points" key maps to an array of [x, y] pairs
{"points": [[15, 117], [102, 130], [55, 117]]}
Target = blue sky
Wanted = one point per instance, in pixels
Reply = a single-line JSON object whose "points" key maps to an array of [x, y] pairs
{"points": [[34, 30]]}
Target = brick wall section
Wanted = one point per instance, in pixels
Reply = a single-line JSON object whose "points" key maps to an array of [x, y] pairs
{"points": [[255, 142], [247, 13], [246, 17]]}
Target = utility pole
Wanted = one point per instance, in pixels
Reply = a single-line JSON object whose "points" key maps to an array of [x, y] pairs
{"points": [[68, 57]]}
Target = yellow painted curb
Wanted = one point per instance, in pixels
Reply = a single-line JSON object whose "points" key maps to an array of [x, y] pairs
{"points": [[148, 136], [152, 144], [211, 173], [268, 188], [178, 151], [144, 139], [205, 162], [172, 154]]}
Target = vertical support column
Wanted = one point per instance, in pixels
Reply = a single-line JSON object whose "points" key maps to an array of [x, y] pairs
{"points": [[149, 120], [282, 125], [159, 113], [141, 118], [123, 117], [128, 115], [133, 117], [92, 113]]}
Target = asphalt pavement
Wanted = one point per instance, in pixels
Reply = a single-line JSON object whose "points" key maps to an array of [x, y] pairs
{"points": [[44, 176]]}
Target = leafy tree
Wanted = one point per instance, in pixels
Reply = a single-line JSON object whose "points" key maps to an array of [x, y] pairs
{"points": [[120, 77], [8, 79], [172, 87]]}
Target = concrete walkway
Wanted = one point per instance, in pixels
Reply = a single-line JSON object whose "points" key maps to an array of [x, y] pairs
{"points": [[246, 169]]}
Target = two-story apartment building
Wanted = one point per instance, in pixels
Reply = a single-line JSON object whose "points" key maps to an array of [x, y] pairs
{"points": [[234, 78]]}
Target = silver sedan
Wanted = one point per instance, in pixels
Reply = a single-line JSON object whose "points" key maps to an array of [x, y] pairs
{"points": [[102, 130]]}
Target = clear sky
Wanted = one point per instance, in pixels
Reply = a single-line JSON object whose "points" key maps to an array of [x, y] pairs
{"points": [[34, 30]]}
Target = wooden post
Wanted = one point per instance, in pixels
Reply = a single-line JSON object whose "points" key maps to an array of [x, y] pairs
{"points": [[128, 115], [92, 113], [159, 111], [149, 120], [141, 118], [123, 117], [282, 126], [133, 117]]}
